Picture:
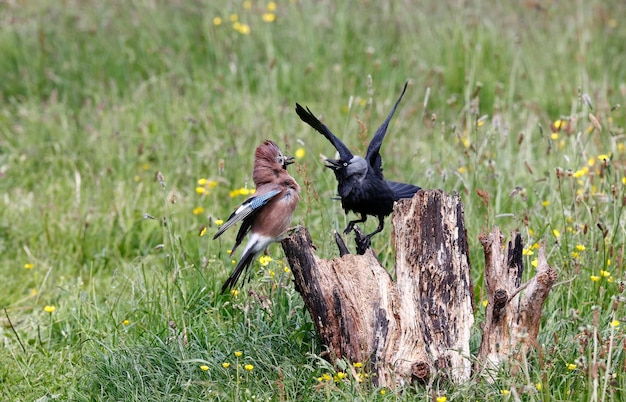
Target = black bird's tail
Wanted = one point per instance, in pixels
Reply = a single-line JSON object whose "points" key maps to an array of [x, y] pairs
{"points": [[242, 265], [402, 190]]}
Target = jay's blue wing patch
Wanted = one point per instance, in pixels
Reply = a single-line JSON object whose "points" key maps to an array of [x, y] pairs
{"points": [[251, 205]]}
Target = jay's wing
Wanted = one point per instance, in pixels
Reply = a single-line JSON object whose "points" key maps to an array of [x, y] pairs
{"points": [[373, 155], [402, 190], [246, 210], [307, 116]]}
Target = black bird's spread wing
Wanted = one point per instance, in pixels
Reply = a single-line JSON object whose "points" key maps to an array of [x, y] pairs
{"points": [[373, 155], [307, 116], [402, 190], [246, 209]]}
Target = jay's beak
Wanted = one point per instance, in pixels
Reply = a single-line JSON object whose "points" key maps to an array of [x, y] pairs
{"points": [[289, 160]]}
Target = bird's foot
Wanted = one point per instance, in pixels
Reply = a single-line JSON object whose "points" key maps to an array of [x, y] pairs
{"points": [[362, 241], [290, 231], [349, 228]]}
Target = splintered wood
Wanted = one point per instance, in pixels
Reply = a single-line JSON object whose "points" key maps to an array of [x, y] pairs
{"points": [[417, 327]]}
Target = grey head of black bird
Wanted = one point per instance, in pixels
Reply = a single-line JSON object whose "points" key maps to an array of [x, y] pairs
{"points": [[361, 185]]}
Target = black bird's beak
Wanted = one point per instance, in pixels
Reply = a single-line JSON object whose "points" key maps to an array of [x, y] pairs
{"points": [[288, 160], [333, 164]]}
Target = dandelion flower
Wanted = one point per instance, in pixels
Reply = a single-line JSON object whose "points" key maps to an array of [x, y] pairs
{"points": [[126, 322], [556, 233], [538, 386], [358, 365], [226, 365], [571, 366], [248, 367], [238, 354], [200, 190], [441, 399], [383, 391], [234, 293], [49, 309], [269, 17], [504, 392], [217, 21], [244, 191], [614, 323], [202, 181], [554, 136], [204, 367], [604, 274], [219, 222], [300, 152], [545, 203], [558, 124], [286, 269], [580, 247], [234, 193], [527, 251], [326, 377], [594, 278], [29, 265], [603, 157]]}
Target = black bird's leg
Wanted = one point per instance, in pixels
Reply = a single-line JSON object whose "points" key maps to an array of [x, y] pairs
{"points": [[381, 225], [351, 224]]}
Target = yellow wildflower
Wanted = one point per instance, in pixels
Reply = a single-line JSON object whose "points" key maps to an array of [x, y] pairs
{"points": [[604, 274], [558, 124], [545, 203], [538, 386], [244, 191], [286, 269], [591, 161], [49, 309], [554, 136], [614, 323], [571, 366], [200, 190], [29, 265], [300, 153], [264, 260], [247, 4], [248, 367], [219, 222], [527, 251], [204, 367], [504, 392], [271, 273], [462, 169], [534, 263], [269, 17], [603, 157], [234, 193], [271, 6], [556, 233], [383, 391], [126, 322], [202, 181], [197, 210], [203, 231], [234, 292], [485, 303], [580, 247], [594, 278], [217, 21], [358, 365], [226, 365], [441, 399], [234, 18], [238, 353]]}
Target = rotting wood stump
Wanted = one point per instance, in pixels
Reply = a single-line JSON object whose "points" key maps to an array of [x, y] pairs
{"points": [[417, 326]]}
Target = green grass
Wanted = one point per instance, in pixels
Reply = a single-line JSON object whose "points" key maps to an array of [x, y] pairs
{"points": [[97, 97]]}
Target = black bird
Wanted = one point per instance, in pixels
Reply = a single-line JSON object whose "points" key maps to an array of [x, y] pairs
{"points": [[361, 185]]}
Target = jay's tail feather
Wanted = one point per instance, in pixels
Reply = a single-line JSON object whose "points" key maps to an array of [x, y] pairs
{"points": [[242, 265]]}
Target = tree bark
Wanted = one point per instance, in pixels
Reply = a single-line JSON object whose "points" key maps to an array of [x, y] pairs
{"points": [[418, 326]]}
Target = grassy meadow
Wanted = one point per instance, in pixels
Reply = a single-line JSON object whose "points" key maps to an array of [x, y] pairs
{"points": [[127, 130]]}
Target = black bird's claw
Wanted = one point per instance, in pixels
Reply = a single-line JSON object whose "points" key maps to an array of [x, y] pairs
{"points": [[362, 241], [349, 228]]}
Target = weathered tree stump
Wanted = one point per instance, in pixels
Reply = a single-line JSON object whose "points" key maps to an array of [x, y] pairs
{"points": [[513, 310], [415, 327]]}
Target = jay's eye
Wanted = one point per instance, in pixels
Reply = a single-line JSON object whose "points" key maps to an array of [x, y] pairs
{"points": [[345, 164]]}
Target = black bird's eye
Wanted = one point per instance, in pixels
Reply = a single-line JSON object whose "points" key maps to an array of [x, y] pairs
{"points": [[345, 164]]}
